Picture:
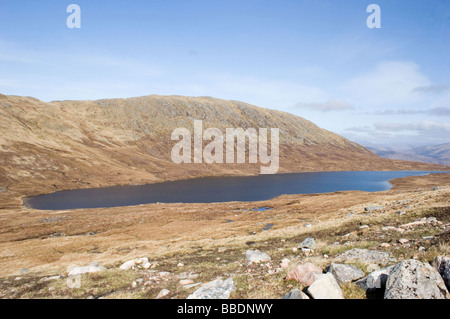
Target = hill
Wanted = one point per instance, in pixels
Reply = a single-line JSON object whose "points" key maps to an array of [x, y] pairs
{"points": [[46, 147]]}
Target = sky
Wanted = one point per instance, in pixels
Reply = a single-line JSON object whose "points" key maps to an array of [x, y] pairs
{"points": [[387, 86]]}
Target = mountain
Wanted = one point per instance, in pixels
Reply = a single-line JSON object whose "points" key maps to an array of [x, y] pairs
{"points": [[435, 154], [46, 147]]}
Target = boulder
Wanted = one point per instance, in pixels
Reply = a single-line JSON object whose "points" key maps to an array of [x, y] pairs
{"points": [[256, 256], [365, 256], [304, 274], [442, 265], [217, 289], [376, 279], [325, 287], [134, 263], [94, 267], [345, 273], [308, 243], [295, 294], [412, 279]]}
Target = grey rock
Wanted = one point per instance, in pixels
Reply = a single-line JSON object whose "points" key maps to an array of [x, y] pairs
{"points": [[345, 273], [325, 287], [256, 256], [94, 267], [217, 289], [412, 279], [371, 209], [442, 265], [376, 279], [295, 294], [308, 243], [163, 293], [365, 256]]}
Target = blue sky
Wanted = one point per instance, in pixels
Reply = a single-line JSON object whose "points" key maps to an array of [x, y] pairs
{"points": [[316, 59]]}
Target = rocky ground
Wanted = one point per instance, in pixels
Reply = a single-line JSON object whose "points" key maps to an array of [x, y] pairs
{"points": [[352, 245]]}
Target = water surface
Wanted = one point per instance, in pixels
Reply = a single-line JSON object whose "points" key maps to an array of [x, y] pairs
{"points": [[219, 189]]}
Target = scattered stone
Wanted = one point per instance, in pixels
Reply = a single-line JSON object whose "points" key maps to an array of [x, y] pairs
{"points": [[412, 279], [365, 256], [164, 274], [363, 226], [403, 241], [401, 212], [436, 188], [217, 289], [421, 221], [304, 274], [325, 287], [94, 267], [256, 256], [136, 263], [345, 273], [285, 263], [371, 209], [295, 294], [385, 245], [24, 270], [185, 282], [308, 243], [134, 284], [221, 249], [307, 225], [180, 265], [421, 248], [163, 293]]}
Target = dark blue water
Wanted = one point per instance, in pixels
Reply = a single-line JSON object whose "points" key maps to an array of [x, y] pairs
{"points": [[219, 189]]}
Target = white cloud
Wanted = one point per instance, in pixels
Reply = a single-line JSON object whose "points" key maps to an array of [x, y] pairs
{"points": [[327, 106], [389, 83]]}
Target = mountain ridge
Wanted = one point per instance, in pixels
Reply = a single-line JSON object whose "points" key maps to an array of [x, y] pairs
{"points": [[46, 147]]}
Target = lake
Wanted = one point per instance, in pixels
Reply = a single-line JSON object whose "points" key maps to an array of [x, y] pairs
{"points": [[219, 189]]}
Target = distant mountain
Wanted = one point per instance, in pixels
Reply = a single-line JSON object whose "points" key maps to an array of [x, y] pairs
{"points": [[434, 154], [45, 147]]}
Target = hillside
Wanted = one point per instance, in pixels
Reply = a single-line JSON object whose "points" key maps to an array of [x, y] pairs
{"points": [[45, 147], [434, 154]]}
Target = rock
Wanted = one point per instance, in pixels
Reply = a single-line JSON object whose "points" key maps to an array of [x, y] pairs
{"points": [[411, 225], [412, 279], [442, 265], [217, 289], [180, 265], [376, 279], [401, 212], [385, 245], [308, 243], [345, 273], [285, 263], [136, 263], [325, 287], [256, 256], [371, 209], [365, 256], [134, 284], [295, 294], [94, 267], [304, 274], [436, 188], [163, 293], [403, 241], [307, 225], [185, 282]]}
